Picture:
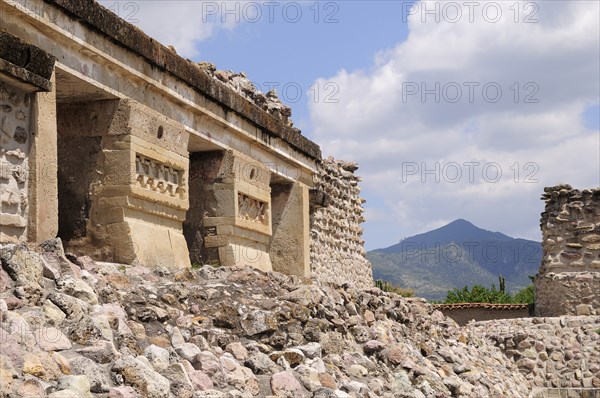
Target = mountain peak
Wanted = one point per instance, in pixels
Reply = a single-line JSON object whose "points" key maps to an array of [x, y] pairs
{"points": [[461, 221], [461, 227], [454, 255], [458, 231]]}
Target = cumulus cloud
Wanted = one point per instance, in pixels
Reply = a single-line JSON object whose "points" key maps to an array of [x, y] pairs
{"points": [[504, 93]]}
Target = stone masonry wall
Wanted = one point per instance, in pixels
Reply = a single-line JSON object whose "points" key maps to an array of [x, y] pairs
{"points": [[569, 277], [559, 352], [337, 251], [15, 111]]}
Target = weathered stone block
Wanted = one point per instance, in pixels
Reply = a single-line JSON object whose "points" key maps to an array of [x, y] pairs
{"points": [[230, 210], [15, 115], [290, 243], [137, 187], [583, 309], [568, 282]]}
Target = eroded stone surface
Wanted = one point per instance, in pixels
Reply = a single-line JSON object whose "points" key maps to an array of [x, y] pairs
{"points": [[337, 248], [561, 352], [569, 279], [15, 112], [155, 345]]}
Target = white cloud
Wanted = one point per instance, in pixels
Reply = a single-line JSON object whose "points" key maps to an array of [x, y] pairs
{"points": [[556, 65]]}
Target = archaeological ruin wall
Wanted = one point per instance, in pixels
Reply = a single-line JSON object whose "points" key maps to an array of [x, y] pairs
{"points": [[560, 353], [569, 278], [133, 154], [122, 182], [15, 108], [337, 248], [229, 218], [27, 172], [99, 123]]}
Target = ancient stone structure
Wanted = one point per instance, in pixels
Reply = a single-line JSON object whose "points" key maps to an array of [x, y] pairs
{"points": [[230, 193], [127, 200], [14, 174], [131, 154], [337, 248], [27, 145], [569, 277], [553, 353]]}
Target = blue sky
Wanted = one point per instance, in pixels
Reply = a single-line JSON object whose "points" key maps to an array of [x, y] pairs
{"points": [[450, 111], [328, 37]]}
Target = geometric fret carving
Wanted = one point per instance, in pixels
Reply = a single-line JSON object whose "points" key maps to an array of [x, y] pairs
{"points": [[252, 209], [156, 176]]}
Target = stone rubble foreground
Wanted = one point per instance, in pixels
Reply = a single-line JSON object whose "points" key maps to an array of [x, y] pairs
{"points": [[72, 327]]}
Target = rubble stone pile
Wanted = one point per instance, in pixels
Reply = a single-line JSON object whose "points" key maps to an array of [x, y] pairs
{"points": [[238, 81], [73, 327]]}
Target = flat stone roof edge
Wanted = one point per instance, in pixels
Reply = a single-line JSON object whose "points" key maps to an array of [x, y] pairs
{"points": [[129, 36], [25, 62]]}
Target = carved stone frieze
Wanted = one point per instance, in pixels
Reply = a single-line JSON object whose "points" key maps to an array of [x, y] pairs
{"points": [[156, 176], [252, 209], [14, 168]]}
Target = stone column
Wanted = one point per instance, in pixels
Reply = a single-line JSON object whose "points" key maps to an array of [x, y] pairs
{"points": [[290, 243], [27, 142], [15, 142], [43, 185], [229, 222], [123, 181]]}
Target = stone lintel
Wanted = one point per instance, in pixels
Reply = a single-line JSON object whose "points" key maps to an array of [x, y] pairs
{"points": [[29, 67]]}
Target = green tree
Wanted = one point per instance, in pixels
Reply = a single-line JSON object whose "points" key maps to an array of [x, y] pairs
{"points": [[481, 294], [525, 296], [477, 294]]}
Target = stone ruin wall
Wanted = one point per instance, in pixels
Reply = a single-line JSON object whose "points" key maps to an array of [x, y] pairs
{"points": [[233, 187], [552, 353], [569, 279], [15, 110], [119, 156], [108, 170], [337, 249]]}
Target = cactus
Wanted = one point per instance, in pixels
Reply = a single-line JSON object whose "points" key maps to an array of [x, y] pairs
{"points": [[502, 282], [389, 287]]}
